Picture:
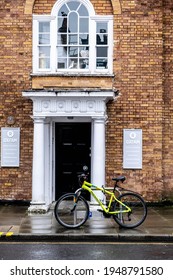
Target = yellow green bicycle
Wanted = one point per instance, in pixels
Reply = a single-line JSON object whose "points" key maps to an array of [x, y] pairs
{"points": [[129, 209]]}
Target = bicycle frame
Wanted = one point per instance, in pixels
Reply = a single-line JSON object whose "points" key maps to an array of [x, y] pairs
{"points": [[107, 209]]}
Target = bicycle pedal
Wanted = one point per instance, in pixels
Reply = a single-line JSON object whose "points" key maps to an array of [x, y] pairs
{"points": [[100, 210]]}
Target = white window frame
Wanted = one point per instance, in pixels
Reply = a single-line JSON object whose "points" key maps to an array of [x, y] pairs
{"points": [[93, 19]]}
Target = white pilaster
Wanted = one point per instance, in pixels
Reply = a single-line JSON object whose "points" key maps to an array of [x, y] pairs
{"points": [[98, 155], [38, 188], [48, 161]]}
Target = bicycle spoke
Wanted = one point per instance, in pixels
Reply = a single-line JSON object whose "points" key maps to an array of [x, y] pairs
{"points": [[71, 213], [137, 214]]}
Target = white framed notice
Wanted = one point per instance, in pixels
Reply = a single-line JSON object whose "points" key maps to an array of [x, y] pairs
{"points": [[132, 148], [10, 147]]}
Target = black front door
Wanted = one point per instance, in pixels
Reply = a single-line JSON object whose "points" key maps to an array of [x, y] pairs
{"points": [[72, 152]]}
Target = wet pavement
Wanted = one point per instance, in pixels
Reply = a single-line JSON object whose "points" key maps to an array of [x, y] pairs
{"points": [[16, 224]]}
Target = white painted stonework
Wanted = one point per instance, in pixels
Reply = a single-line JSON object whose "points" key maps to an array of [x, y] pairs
{"points": [[50, 104], [65, 106]]}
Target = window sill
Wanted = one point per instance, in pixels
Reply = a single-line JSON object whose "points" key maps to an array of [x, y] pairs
{"points": [[70, 74]]}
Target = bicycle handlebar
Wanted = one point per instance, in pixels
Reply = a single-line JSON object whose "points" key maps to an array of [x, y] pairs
{"points": [[82, 177]]}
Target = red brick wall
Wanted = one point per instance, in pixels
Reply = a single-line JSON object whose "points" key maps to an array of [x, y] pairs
{"points": [[168, 98], [45, 6], [15, 68], [138, 68]]}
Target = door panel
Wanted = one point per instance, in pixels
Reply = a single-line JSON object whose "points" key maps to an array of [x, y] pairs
{"points": [[72, 152]]}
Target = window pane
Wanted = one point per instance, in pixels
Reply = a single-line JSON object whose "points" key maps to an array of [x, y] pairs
{"points": [[73, 39], [44, 57], [44, 51], [83, 25], [44, 39], [73, 5], [73, 22], [61, 57], [83, 52], [84, 58], [44, 63], [62, 63], [62, 39], [101, 51], [73, 63], [62, 51], [101, 63], [83, 11], [62, 31], [101, 39], [102, 27], [73, 51], [63, 10], [84, 39], [44, 27], [101, 35], [62, 24], [83, 63]]}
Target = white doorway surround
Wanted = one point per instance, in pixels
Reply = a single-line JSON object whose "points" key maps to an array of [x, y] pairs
{"points": [[65, 106]]}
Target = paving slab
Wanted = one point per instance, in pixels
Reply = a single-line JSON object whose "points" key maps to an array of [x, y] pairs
{"points": [[17, 224]]}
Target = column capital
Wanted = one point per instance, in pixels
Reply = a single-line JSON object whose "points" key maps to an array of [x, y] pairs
{"points": [[38, 119], [99, 119]]}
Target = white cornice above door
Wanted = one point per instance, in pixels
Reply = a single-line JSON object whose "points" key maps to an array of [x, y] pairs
{"points": [[69, 103]]}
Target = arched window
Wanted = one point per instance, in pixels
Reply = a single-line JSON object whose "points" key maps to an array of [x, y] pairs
{"points": [[72, 39], [73, 36]]}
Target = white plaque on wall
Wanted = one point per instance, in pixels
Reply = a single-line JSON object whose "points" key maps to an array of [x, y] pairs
{"points": [[10, 147], [132, 148]]}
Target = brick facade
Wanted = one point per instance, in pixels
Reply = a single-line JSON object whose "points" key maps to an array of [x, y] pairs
{"points": [[143, 56], [167, 152]]}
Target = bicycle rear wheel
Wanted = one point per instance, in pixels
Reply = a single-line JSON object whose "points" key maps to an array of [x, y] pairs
{"points": [[71, 211], [138, 212]]}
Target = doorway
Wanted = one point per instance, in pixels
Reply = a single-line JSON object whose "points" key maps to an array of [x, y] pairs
{"points": [[72, 152]]}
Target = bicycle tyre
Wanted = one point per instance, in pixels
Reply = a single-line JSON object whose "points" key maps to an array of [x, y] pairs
{"points": [[71, 214], [138, 214]]}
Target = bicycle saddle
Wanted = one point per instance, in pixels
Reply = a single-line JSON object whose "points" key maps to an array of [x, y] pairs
{"points": [[120, 178]]}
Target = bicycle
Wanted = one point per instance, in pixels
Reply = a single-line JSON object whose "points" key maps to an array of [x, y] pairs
{"points": [[129, 209]]}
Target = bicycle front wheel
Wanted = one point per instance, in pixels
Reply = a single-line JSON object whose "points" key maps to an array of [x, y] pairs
{"points": [[71, 211], [137, 214]]}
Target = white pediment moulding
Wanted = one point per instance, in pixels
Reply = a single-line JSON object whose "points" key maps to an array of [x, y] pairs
{"points": [[50, 104]]}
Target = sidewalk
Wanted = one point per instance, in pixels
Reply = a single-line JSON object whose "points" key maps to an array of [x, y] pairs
{"points": [[16, 224]]}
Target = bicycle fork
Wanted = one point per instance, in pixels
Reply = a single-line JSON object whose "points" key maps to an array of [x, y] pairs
{"points": [[73, 210], [75, 201]]}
